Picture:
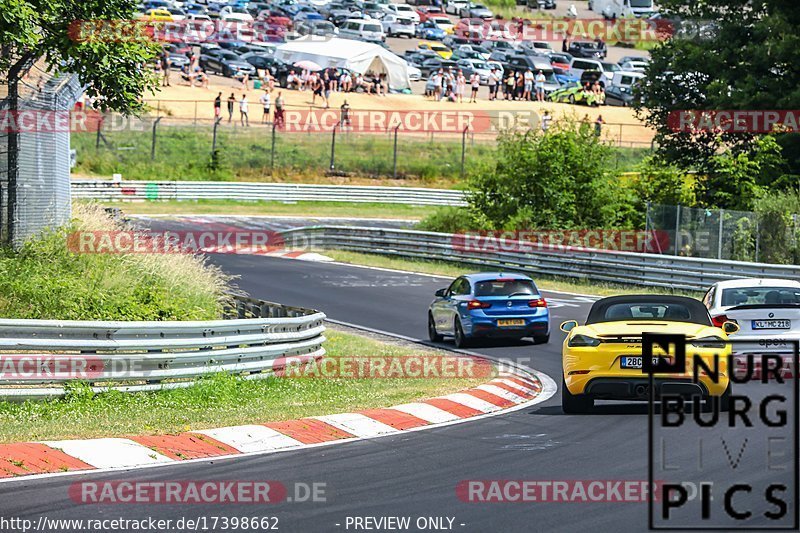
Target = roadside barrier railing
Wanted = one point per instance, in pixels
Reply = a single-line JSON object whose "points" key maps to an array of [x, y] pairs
{"points": [[109, 190], [40, 357], [646, 270]]}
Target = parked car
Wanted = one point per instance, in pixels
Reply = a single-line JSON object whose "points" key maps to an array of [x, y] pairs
{"points": [[491, 304], [634, 66], [477, 11], [454, 7], [397, 26], [541, 4], [430, 31], [226, 63], [579, 65], [443, 22], [235, 14], [619, 96], [560, 60], [363, 30], [564, 76], [404, 11], [475, 66], [433, 64], [440, 49], [587, 50], [320, 28], [426, 12]]}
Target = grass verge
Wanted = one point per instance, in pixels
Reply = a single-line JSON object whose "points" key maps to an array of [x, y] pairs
{"points": [[46, 280], [221, 400], [184, 153], [304, 209], [453, 270]]}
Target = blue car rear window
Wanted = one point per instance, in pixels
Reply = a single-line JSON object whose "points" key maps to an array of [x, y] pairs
{"points": [[505, 287]]}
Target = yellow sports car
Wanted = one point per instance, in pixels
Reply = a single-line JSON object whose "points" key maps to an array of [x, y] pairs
{"points": [[603, 358]]}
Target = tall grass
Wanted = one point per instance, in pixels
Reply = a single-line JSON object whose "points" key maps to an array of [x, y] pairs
{"points": [[44, 279]]}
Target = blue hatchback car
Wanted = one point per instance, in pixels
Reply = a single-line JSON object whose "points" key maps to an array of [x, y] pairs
{"points": [[490, 304]]}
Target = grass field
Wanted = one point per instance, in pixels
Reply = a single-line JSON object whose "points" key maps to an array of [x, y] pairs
{"points": [[299, 209], [246, 154], [222, 400]]}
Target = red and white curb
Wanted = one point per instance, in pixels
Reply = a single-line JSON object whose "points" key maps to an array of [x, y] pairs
{"points": [[509, 391]]}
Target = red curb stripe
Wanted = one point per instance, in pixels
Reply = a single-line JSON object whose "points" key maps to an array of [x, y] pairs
{"points": [[293, 255], [309, 430], [461, 411], [394, 418], [527, 393], [523, 382], [186, 446], [489, 397], [25, 458]]}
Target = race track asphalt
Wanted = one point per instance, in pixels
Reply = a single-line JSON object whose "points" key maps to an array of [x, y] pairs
{"points": [[416, 474]]}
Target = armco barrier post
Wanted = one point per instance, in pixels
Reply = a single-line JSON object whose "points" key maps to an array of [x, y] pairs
{"points": [[153, 141], [394, 164]]}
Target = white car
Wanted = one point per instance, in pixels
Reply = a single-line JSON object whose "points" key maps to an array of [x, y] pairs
{"points": [[766, 310], [235, 14], [634, 66], [414, 74], [444, 23], [454, 7], [404, 11], [395, 25]]}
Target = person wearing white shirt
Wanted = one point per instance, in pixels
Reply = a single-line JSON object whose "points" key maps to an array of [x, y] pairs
{"points": [[265, 101], [243, 105]]}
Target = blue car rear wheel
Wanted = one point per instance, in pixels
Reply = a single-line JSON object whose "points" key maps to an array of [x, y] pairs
{"points": [[461, 340]]}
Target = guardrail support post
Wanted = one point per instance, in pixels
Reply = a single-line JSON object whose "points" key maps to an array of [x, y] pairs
{"points": [[719, 237], [153, 141], [463, 150], [333, 146], [678, 229], [214, 140], [394, 164]]}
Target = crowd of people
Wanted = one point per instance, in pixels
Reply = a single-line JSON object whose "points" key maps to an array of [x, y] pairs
{"points": [[452, 85]]}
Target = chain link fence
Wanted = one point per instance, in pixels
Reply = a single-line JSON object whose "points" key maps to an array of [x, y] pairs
{"points": [[726, 234], [167, 148], [34, 155]]}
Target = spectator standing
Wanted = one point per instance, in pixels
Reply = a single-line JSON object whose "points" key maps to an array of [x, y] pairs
{"points": [[598, 125], [344, 118], [510, 84], [546, 118], [218, 105], [527, 84], [265, 102], [494, 79], [165, 69], [475, 84], [246, 82], [461, 86], [243, 108], [540, 80], [231, 102]]}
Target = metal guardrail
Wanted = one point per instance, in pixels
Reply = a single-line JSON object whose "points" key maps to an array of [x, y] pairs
{"points": [[648, 270], [138, 356], [281, 192]]}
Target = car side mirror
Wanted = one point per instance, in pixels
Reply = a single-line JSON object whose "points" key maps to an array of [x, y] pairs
{"points": [[441, 292], [567, 326], [730, 327]]}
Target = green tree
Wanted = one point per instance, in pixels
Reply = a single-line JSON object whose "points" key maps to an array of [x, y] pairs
{"points": [[111, 67], [745, 59], [552, 180]]}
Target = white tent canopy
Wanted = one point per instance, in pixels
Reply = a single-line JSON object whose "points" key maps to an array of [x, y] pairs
{"points": [[358, 56]]}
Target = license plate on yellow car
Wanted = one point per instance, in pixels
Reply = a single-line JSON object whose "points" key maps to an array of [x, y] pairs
{"points": [[634, 362], [502, 323]]}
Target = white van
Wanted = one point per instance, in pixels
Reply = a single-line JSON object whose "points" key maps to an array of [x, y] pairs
{"points": [[362, 30], [624, 78], [578, 65], [614, 9]]}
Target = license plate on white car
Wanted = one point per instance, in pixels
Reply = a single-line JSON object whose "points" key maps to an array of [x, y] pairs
{"points": [[771, 324], [634, 362]]}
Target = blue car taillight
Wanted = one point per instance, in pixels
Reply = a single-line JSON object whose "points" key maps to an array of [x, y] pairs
{"points": [[477, 304], [539, 302]]}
